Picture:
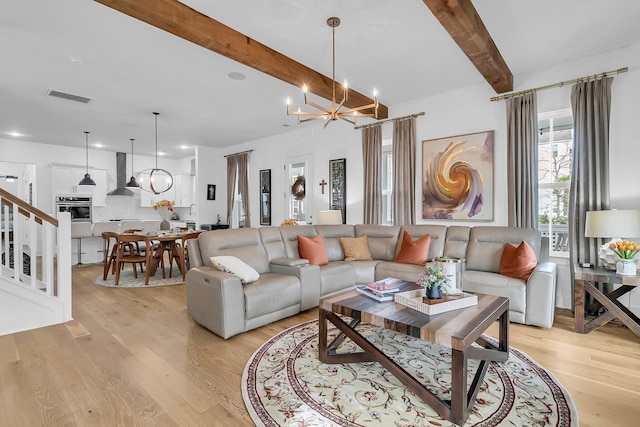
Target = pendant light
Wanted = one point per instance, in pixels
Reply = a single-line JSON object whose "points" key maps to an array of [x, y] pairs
{"points": [[87, 178], [132, 182], [159, 180]]}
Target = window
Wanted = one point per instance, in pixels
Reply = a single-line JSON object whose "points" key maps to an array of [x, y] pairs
{"points": [[554, 177], [387, 183]]}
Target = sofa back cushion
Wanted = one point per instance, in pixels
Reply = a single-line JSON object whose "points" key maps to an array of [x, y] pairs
{"points": [[332, 235], [486, 244], [290, 234], [242, 243], [272, 242], [436, 232], [455, 245], [382, 239]]}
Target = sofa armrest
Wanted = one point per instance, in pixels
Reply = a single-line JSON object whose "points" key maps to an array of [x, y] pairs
{"points": [[290, 262], [541, 295], [216, 300], [309, 276]]}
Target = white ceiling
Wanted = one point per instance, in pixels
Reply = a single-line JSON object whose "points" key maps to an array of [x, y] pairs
{"points": [[131, 69]]}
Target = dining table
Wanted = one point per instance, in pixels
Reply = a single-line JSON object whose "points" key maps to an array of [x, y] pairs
{"points": [[168, 242]]}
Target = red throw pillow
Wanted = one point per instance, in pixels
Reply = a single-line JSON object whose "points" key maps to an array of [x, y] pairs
{"points": [[517, 261], [313, 250], [413, 252]]}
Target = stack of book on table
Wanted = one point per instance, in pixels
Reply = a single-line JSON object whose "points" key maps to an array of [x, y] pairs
{"points": [[382, 290]]}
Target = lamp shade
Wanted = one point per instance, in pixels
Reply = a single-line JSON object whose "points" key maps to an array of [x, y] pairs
{"points": [[612, 223], [330, 217]]}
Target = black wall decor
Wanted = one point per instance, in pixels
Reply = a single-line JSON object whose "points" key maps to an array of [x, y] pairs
{"points": [[338, 186]]}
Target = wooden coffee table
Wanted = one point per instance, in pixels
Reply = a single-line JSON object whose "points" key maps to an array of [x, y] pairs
{"points": [[457, 329]]}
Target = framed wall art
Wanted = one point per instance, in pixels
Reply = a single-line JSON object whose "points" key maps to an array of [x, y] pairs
{"points": [[265, 197], [457, 177], [211, 192], [338, 186]]}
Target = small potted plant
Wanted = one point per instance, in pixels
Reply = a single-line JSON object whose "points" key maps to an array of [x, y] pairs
{"points": [[434, 280]]}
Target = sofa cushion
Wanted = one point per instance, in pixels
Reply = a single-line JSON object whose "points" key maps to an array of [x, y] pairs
{"points": [[272, 293], [413, 251], [517, 261], [336, 276], [496, 284], [486, 244], [242, 243], [409, 272], [235, 266], [355, 248], [332, 235], [381, 239], [313, 250]]}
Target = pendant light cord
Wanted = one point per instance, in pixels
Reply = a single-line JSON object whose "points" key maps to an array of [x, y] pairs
{"points": [[156, 114], [131, 139], [86, 138]]}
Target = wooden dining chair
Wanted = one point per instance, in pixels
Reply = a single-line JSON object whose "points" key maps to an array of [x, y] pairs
{"points": [[182, 253], [110, 249], [127, 254], [140, 247]]}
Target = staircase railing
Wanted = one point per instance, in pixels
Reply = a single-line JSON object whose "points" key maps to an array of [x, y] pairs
{"points": [[36, 255]]}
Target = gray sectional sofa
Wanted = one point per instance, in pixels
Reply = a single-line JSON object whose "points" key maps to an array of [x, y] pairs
{"points": [[289, 285]]}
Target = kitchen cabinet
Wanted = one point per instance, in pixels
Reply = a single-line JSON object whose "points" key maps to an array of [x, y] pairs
{"points": [[65, 179], [183, 182]]}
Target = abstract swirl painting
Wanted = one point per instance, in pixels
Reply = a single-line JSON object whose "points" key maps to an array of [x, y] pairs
{"points": [[457, 177]]}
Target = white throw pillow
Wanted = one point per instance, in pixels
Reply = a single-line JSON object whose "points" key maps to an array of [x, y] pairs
{"points": [[235, 266]]}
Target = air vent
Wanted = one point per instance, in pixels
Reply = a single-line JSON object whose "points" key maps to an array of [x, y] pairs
{"points": [[68, 96]]}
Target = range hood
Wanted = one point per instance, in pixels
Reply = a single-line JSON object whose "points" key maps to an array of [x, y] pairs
{"points": [[121, 177]]}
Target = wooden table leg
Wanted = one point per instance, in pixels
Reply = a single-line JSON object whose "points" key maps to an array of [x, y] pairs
{"points": [[578, 306]]}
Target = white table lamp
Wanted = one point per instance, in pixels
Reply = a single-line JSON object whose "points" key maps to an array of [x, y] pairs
{"points": [[330, 217], [614, 224]]}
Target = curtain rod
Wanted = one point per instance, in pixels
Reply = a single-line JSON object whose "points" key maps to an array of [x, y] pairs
{"points": [[241, 152], [379, 122], [522, 92]]}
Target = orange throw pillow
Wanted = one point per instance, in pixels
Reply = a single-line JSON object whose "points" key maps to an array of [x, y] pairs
{"points": [[413, 252], [517, 261], [313, 250]]}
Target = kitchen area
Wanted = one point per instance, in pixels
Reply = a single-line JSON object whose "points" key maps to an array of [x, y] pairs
{"points": [[48, 177], [94, 210]]}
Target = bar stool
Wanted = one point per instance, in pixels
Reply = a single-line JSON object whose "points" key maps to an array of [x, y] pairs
{"points": [[79, 231]]}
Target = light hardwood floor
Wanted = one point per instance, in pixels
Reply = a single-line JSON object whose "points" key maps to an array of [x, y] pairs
{"points": [[134, 357]]}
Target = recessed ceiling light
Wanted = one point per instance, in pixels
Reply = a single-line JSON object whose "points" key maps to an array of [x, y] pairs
{"points": [[161, 153], [98, 145], [184, 147], [16, 134], [236, 76], [76, 60]]}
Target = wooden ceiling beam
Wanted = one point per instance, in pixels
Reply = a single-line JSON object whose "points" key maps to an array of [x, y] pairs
{"points": [[463, 23], [189, 24]]}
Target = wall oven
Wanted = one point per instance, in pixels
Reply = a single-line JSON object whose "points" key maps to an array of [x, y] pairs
{"points": [[79, 207]]}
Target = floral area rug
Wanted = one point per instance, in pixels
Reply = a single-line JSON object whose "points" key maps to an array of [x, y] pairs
{"points": [[284, 384], [128, 281]]}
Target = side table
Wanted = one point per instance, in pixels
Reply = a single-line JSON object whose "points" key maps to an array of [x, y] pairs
{"points": [[584, 278]]}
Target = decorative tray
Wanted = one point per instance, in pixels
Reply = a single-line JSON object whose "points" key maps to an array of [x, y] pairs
{"points": [[413, 299]]}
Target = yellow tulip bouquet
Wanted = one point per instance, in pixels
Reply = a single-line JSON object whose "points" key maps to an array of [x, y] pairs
{"points": [[625, 249]]}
